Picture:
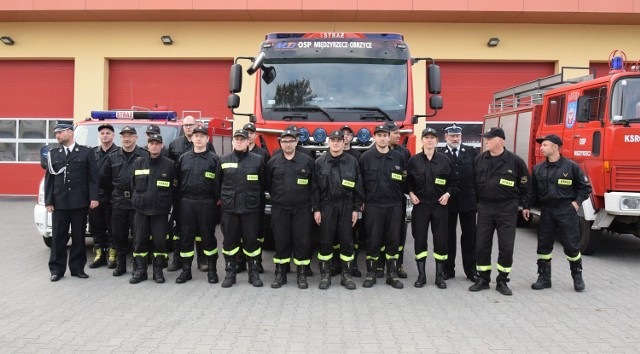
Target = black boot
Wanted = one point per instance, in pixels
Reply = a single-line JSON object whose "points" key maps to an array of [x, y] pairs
{"points": [[111, 258], [254, 276], [355, 272], [158, 264], [501, 284], [392, 274], [100, 259], [380, 267], [139, 270], [307, 271], [121, 265], [370, 278], [440, 275], [230, 266], [482, 281], [281, 277], [201, 260], [325, 275], [422, 275], [576, 274], [185, 275], [212, 269], [401, 273], [176, 262], [544, 275], [346, 280], [302, 277]]}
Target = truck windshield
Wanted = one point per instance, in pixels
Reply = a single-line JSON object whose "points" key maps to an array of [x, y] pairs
{"points": [[625, 101], [347, 90]]}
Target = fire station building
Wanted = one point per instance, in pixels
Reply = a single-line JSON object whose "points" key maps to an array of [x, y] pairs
{"points": [[61, 59]]}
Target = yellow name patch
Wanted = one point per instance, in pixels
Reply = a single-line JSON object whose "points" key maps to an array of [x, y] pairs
{"points": [[303, 181], [211, 175], [229, 165], [252, 177], [565, 182], [396, 176], [441, 181], [506, 182], [349, 184], [163, 183], [141, 172]]}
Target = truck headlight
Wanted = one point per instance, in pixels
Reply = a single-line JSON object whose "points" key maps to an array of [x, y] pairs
{"points": [[629, 203]]}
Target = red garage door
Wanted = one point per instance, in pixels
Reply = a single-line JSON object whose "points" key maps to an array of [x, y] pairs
{"points": [[30, 92], [178, 85], [467, 88]]}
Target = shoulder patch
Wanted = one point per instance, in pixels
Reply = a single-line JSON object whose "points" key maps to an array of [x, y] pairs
{"points": [[524, 180]]}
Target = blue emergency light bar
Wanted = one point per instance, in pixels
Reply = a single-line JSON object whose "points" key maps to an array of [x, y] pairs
{"points": [[150, 115]]}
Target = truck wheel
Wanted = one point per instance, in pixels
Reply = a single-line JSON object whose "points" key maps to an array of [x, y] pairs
{"points": [[589, 239], [47, 241], [522, 222]]}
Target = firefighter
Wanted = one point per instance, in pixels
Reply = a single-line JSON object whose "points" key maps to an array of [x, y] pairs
{"points": [[118, 173], [394, 144], [288, 180], [358, 229], [337, 200], [198, 173], [70, 189], [241, 192], [560, 186], [461, 205], [383, 172], [431, 182], [153, 185], [501, 181], [178, 147], [100, 217]]}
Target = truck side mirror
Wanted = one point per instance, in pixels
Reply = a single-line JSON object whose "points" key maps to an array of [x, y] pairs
{"points": [[235, 78], [584, 109], [233, 101], [268, 74], [435, 102], [433, 79]]}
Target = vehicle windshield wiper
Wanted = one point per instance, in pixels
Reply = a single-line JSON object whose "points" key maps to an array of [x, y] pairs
{"points": [[626, 121], [303, 108], [368, 116]]}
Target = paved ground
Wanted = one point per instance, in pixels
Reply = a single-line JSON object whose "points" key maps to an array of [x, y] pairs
{"points": [[107, 314]]}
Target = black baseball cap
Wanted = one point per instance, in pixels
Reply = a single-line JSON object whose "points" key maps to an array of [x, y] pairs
{"points": [[155, 137], [294, 129], [106, 126], [241, 132], [289, 132], [392, 126], [346, 127], [495, 132], [429, 131], [128, 130], [552, 138], [249, 126], [200, 129], [336, 134], [153, 129], [381, 128]]}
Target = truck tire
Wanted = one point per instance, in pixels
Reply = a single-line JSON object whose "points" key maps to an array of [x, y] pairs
{"points": [[522, 222], [47, 241], [589, 239]]}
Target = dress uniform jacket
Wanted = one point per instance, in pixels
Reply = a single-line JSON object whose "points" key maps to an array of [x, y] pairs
{"points": [[465, 199], [78, 184]]}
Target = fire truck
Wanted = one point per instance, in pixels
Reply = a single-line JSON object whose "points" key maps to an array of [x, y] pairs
{"points": [[322, 81], [598, 120]]}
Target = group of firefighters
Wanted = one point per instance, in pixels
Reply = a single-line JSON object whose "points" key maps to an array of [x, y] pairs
{"points": [[132, 189]]}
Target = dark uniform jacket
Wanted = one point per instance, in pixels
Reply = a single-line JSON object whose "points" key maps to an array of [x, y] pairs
{"points": [[560, 181], [353, 152], [242, 182], [507, 180], [154, 184], [75, 187], [337, 181], [181, 145], [199, 175], [289, 181], [430, 179], [262, 152], [404, 152], [465, 199], [299, 149], [118, 174], [101, 157], [383, 177]]}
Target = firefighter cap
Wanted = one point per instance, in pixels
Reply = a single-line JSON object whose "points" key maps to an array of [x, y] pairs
{"points": [[493, 133], [249, 126], [429, 131], [106, 126], [294, 129], [62, 125], [336, 134], [153, 129], [392, 126], [346, 127], [128, 130], [381, 128], [200, 129], [552, 138], [241, 132], [453, 129], [289, 132], [155, 137]]}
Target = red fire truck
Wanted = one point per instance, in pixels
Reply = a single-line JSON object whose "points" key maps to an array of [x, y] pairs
{"points": [[599, 123], [323, 81]]}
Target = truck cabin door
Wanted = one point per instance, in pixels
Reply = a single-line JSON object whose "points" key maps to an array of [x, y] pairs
{"points": [[552, 121], [585, 123]]}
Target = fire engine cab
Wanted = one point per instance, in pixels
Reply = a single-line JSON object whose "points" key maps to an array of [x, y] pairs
{"points": [[598, 120]]}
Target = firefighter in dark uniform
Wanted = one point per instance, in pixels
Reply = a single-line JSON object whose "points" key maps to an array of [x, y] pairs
{"points": [[461, 205], [431, 182], [70, 189], [199, 192], [501, 182], [394, 144], [118, 173], [100, 217], [288, 180], [560, 186], [358, 229], [178, 147], [337, 200], [242, 190], [383, 173], [299, 148], [154, 184]]}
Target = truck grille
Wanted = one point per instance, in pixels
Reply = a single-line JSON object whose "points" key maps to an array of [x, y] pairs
{"points": [[626, 178]]}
